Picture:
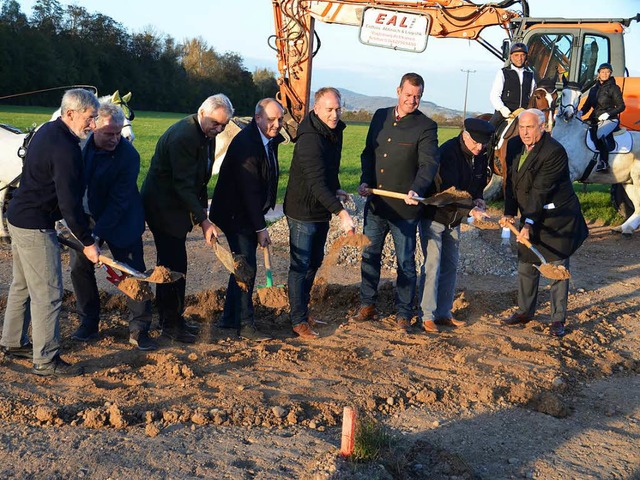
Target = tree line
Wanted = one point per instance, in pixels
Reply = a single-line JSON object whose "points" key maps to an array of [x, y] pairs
{"points": [[58, 46]]}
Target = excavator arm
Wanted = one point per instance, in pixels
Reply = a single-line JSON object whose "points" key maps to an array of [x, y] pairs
{"points": [[296, 41]]}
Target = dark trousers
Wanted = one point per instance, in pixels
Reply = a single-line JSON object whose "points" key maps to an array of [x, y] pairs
{"points": [[238, 305], [528, 281], [83, 278], [171, 253], [306, 245]]}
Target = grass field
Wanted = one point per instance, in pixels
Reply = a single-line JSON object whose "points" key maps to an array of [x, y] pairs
{"points": [[148, 126]]}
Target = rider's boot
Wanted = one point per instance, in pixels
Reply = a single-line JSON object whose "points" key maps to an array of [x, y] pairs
{"points": [[603, 162]]}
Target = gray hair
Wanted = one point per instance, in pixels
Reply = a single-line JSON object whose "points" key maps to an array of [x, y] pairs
{"points": [[78, 100], [536, 112], [323, 91], [262, 104], [214, 102], [108, 109]]}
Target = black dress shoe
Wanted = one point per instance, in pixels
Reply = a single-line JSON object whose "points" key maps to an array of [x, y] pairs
{"points": [[179, 334], [192, 328], [557, 329], [23, 351], [516, 319], [57, 368]]}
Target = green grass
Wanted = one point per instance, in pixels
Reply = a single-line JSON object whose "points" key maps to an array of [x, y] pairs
{"points": [[148, 126]]}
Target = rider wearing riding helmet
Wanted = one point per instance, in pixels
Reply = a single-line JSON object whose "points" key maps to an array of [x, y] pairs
{"points": [[512, 86], [605, 98]]}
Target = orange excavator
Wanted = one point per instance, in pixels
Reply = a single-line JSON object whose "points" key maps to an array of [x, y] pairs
{"points": [[558, 47]]}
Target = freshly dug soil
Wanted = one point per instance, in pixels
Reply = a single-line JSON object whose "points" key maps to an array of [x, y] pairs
{"points": [[160, 274], [135, 289], [554, 272]]}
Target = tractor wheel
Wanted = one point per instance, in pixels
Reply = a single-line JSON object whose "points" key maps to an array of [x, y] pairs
{"points": [[493, 190], [621, 201]]}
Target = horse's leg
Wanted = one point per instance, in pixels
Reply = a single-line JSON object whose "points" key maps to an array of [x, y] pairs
{"points": [[633, 192], [4, 234]]}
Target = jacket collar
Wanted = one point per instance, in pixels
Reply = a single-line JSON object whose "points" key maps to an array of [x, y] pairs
{"points": [[530, 158]]}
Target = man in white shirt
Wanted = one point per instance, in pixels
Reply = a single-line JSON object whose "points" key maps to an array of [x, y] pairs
{"points": [[512, 86]]}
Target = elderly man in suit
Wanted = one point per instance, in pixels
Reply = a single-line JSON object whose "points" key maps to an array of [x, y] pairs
{"points": [[111, 167], [174, 194], [401, 154], [246, 190], [538, 186]]}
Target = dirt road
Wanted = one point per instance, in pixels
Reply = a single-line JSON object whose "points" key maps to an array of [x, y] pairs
{"points": [[477, 402]]}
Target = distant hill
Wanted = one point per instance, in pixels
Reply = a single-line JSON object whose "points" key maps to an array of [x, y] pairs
{"points": [[357, 101]]}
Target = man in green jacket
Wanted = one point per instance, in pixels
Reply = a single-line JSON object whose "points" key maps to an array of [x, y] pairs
{"points": [[175, 200]]}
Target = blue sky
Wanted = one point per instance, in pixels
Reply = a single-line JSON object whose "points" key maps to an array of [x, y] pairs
{"points": [[243, 26]]}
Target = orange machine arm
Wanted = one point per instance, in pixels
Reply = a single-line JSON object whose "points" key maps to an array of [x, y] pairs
{"points": [[294, 39]]}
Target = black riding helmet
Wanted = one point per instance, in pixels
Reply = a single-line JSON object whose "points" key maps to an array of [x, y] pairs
{"points": [[519, 47], [605, 65]]}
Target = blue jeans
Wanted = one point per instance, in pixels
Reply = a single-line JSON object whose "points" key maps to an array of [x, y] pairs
{"points": [[306, 245], [238, 306], [35, 294], [403, 233], [440, 247], [83, 278]]}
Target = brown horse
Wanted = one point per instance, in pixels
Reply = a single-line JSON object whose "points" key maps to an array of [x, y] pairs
{"points": [[544, 99]]}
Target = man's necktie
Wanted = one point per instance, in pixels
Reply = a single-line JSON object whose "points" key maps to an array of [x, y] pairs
{"points": [[272, 190]]}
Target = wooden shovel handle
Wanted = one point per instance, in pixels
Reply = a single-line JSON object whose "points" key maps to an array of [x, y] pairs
{"points": [[267, 265], [267, 257], [512, 227], [387, 193]]}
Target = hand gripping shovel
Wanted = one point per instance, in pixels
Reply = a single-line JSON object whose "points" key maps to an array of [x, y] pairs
{"points": [[451, 196], [129, 281], [548, 270], [270, 295]]}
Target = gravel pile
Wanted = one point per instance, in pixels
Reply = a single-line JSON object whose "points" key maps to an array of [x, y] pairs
{"points": [[481, 252]]}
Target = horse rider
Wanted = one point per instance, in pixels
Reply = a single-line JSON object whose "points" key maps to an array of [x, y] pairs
{"points": [[605, 98], [512, 87]]}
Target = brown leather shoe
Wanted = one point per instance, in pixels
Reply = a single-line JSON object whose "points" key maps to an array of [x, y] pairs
{"points": [[450, 322], [516, 319], [314, 322], [365, 314], [305, 332], [430, 326], [404, 324]]}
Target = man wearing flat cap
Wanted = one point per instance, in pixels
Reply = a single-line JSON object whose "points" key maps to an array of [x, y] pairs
{"points": [[463, 165]]}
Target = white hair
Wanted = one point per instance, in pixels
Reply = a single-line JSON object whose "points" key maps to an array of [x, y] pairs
{"points": [[214, 102]]}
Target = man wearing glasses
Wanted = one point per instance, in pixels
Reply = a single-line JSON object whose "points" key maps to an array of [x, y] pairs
{"points": [[174, 194], [463, 165]]}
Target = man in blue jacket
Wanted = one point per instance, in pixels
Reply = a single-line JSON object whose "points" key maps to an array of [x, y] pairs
{"points": [[111, 167], [50, 189]]}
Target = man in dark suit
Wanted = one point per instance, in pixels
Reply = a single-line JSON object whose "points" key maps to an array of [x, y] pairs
{"points": [[174, 194], [246, 190], [401, 155], [538, 186], [111, 167]]}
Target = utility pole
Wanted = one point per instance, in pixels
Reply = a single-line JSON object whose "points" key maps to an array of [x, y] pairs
{"points": [[466, 89]]}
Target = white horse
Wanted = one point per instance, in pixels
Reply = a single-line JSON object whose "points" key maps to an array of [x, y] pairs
{"points": [[12, 152], [624, 161]]}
